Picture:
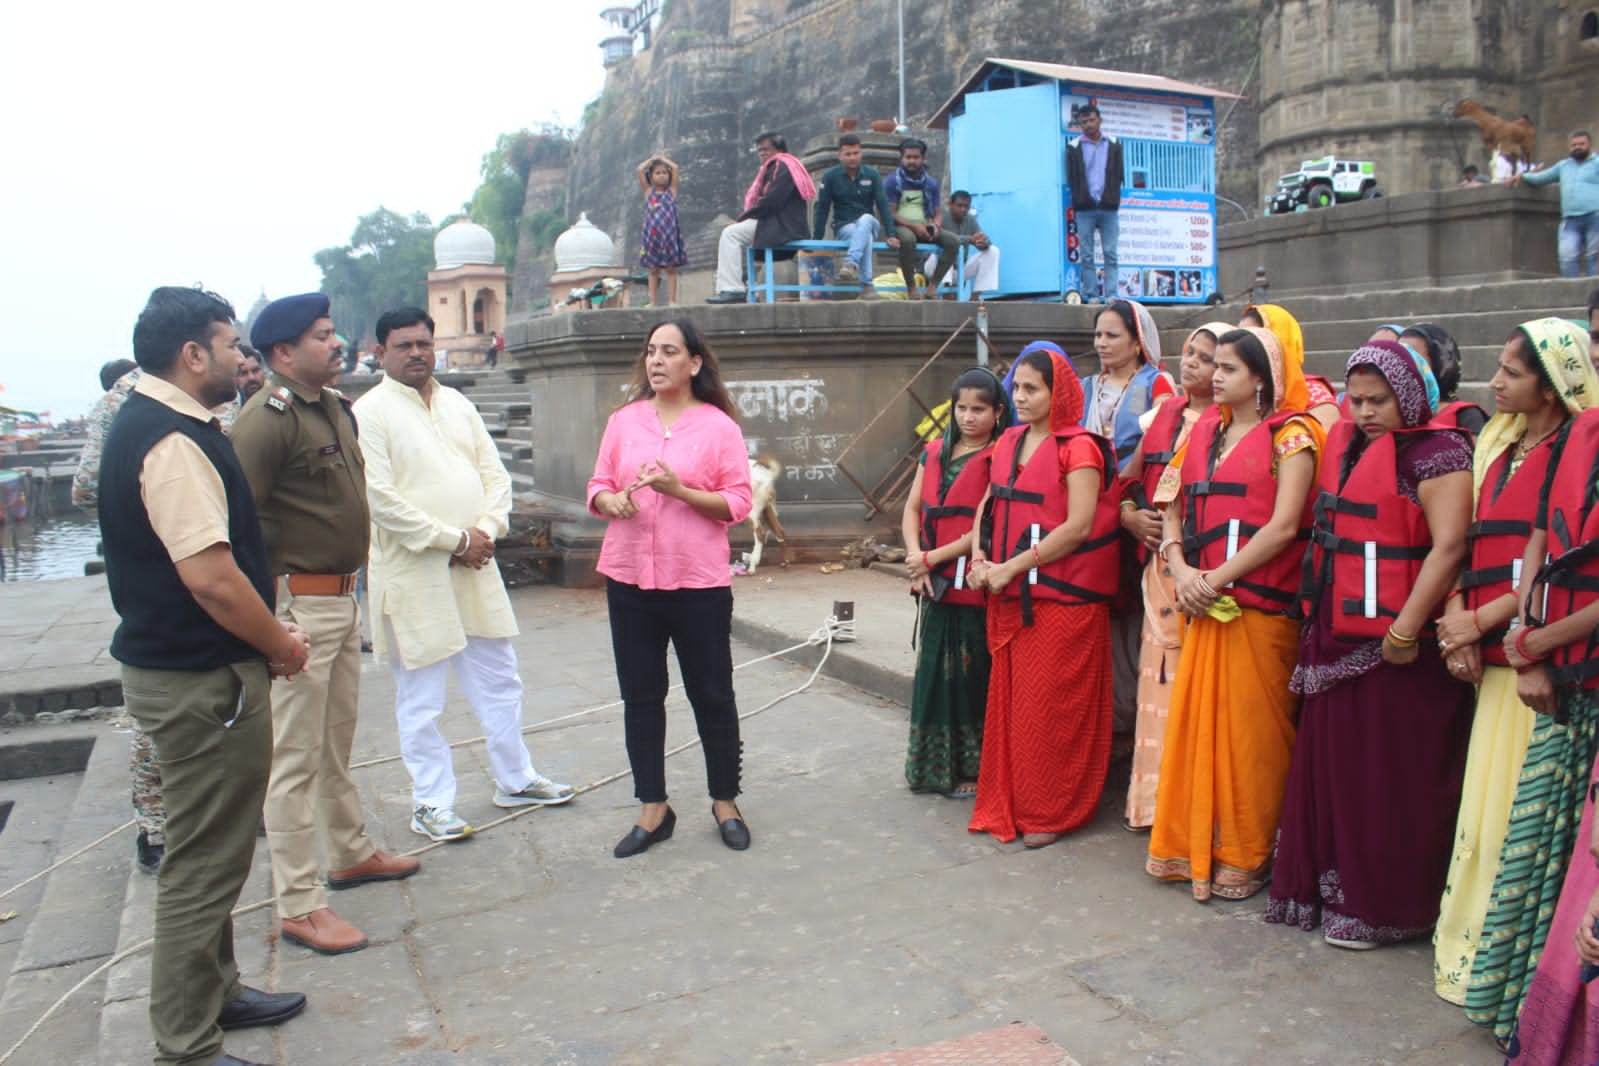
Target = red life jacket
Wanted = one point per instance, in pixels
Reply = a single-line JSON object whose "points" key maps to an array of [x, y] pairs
{"points": [[1225, 508], [1497, 539], [1030, 501], [1449, 414], [1374, 539], [1569, 580], [950, 517], [1159, 446]]}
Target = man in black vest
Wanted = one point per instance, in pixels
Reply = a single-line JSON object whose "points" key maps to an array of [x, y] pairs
{"points": [[188, 574]]}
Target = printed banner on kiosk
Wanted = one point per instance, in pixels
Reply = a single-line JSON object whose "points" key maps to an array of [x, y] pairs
{"points": [[1168, 241]]}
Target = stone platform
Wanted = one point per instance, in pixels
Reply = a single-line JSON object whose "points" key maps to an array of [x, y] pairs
{"points": [[864, 921]]}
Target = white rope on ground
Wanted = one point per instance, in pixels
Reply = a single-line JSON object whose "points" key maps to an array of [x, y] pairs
{"points": [[823, 636], [839, 628], [548, 722], [62, 862]]}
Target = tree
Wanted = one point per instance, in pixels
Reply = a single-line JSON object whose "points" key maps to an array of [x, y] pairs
{"points": [[497, 204], [384, 266]]}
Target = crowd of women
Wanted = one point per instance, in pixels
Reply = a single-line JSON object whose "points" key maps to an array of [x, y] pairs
{"points": [[1353, 639], [1351, 630]]}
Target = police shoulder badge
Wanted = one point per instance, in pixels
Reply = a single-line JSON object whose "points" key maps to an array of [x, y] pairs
{"points": [[280, 398]]}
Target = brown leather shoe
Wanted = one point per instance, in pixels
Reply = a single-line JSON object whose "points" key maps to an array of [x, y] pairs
{"points": [[381, 866], [324, 932]]}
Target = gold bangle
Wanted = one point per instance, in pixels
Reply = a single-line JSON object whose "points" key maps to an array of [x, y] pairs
{"points": [[1399, 641]]}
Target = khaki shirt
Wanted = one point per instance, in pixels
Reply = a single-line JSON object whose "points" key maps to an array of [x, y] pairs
{"points": [[299, 451], [181, 489]]}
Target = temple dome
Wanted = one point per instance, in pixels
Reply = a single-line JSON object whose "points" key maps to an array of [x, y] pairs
{"points": [[463, 244], [583, 247]]}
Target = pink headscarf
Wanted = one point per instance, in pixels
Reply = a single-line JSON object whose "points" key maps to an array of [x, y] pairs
{"points": [[796, 170]]}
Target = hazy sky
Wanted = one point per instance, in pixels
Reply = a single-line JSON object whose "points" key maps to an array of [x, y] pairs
{"points": [[178, 142]]}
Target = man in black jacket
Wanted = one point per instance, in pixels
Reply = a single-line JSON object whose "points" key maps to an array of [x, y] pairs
{"points": [[189, 575], [1094, 174], [774, 213]]}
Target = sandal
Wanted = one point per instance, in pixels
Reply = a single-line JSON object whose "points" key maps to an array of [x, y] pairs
{"points": [[962, 792]]}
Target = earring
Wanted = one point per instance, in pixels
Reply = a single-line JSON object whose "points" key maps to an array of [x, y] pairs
{"points": [[1259, 406]]}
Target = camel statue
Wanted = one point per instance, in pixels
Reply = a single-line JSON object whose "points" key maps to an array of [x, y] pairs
{"points": [[1511, 139]]}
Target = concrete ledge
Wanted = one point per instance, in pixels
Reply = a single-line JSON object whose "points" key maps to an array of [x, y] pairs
{"points": [[1446, 237], [778, 608]]}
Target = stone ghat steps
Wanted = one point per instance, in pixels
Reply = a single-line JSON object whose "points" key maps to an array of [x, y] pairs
{"points": [[1479, 316], [76, 923]]}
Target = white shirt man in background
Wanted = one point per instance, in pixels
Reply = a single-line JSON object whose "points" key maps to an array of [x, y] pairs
{"points": [[440, 496]]}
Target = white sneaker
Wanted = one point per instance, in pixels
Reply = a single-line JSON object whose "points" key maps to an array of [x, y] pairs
{"points": [[540, 792], [439, 823]]}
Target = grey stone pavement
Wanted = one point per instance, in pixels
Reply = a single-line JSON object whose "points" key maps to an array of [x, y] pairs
{"points": [[864, 919], [53, 640]]}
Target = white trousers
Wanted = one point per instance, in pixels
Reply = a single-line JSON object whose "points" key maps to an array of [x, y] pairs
{"points": [[981, 267], [486, 670], [736, 237]]}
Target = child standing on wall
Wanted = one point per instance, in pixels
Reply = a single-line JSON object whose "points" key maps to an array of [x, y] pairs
{"points": [[661, 238]]}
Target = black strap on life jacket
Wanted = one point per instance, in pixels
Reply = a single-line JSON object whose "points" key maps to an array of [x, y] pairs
{"points": [[1016, 495], [1494, 527], [1498, 527], [1334, 543], [1086, 595], [1578, 672]]}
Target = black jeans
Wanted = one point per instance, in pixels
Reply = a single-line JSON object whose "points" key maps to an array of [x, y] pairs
{"points": [[699, 623]]}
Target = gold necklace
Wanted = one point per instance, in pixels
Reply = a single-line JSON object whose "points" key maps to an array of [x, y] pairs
{"points": [[1523, 449]]}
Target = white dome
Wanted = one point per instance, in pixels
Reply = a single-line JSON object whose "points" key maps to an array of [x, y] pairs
{"points": [[583, 247], [463, 244]]}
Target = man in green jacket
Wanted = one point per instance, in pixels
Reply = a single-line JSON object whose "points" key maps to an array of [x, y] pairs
{"points": [[854, 195]]}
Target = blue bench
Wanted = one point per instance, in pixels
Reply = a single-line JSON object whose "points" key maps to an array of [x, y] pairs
{"points": [[768, 289]]}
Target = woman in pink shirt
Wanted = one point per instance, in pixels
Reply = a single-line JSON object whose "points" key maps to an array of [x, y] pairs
{"points": [[671, 476]]}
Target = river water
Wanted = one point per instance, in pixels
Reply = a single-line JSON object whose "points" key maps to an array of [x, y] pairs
{"points": [[52, 546]]}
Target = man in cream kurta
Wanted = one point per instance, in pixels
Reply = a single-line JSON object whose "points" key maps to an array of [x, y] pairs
{"points": [[439, 498]]}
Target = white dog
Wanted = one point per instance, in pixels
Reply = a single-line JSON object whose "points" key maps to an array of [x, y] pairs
{"points": [[764, 472]]}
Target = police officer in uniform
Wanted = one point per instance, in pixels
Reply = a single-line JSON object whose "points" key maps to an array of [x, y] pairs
{"points": [[296, 440]]}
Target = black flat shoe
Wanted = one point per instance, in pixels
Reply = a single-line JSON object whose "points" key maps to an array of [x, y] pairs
{"points": [[735, 834], [727, 298], [254, 1007], [639, 839]]}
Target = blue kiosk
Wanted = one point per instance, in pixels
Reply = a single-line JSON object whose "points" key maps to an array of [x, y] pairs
{"points": [[1009, 125]]}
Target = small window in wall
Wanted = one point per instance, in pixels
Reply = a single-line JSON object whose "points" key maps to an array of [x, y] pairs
{"points": [[1588, 29], [445, 300]]}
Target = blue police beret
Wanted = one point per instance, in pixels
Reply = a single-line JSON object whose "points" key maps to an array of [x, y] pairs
{"points": [[285, 319]]}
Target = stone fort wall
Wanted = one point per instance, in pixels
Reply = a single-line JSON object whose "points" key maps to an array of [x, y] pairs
{"points": [[1369, 79], [1379, 80], [722, 71]]}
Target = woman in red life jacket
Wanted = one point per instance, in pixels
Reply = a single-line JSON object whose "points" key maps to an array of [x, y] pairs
{"points": [[1049, 563], [1372, 793], [951, 687], [1322, 401], [1536, 393], [1236, 545], [1151, 482], [1558, 666], [1557, 661]]}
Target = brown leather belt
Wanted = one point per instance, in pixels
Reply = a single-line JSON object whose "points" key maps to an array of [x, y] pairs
{"points": [[320, 584]]}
